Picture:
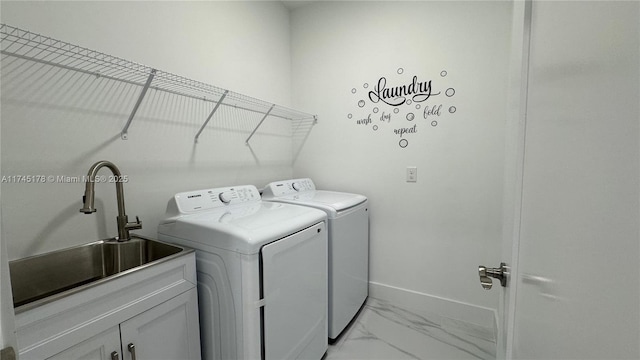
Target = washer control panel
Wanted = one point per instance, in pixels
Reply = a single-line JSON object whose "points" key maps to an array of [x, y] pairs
{"points": [[288, 187], [194, 201]]}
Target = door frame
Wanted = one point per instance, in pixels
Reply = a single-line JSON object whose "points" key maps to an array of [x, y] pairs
{"points": [[7, 314], [515, 131]]}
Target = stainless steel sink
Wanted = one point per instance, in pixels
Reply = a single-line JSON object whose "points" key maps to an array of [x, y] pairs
{"points": [[43, 278]]}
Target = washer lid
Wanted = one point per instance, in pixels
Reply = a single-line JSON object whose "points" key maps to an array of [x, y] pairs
{"points": [[336, 200], [303, 191], [244, 227]]}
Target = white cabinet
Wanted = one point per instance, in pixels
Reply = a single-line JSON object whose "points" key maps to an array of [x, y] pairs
{"points": [[154, 309], [168, 331]]}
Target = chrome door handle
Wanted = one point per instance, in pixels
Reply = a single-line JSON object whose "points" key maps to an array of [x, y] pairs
{"points": [[486, 274], [115, 356]]}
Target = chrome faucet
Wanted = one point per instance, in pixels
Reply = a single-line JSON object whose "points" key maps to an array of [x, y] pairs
{"points": [[124, 226]]}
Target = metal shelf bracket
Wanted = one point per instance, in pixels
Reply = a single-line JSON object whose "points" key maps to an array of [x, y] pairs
{"points": [[215, 108], [260, 123], [124, 134]]}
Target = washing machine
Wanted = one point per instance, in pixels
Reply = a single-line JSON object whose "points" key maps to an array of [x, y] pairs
{"points": [[348, 225], [261, 269]]}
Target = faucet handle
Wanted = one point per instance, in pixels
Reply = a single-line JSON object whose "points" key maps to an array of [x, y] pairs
{"points": [[134, 225]]}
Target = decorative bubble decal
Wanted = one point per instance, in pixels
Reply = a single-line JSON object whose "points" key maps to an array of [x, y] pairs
{"points": [[405, 104]]}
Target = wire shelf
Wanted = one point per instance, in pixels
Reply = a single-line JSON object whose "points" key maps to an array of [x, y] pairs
{"points": [[18, 44]]}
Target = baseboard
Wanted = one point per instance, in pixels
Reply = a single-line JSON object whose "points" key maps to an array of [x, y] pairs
{"points": [[413, 300]]}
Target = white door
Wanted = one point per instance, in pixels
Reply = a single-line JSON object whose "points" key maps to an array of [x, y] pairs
{"points": [[575, 289], [295, 293]]}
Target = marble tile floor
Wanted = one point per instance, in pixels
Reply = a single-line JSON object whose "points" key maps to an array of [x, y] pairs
{"points": [[385, 331]]}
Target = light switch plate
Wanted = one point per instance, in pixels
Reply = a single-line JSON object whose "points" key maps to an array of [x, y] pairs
{"points": [[412, 174]]}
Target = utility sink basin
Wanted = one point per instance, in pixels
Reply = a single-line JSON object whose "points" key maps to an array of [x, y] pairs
{"points": [[43, 278]]}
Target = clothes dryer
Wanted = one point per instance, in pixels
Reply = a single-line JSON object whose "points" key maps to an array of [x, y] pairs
{"points": [[262, 272], [348, 226]]}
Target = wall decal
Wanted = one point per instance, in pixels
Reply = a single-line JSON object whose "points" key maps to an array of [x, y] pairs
{"points": [[406, 101]]}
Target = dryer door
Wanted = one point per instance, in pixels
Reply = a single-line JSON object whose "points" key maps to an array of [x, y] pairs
{"points": [[294, 287]]}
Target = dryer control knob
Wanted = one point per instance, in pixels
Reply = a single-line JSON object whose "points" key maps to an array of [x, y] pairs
{"points": [[296, 186], [225, 197]]}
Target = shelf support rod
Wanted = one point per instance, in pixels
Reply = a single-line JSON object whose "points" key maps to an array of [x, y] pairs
{"points": [[215, 108], [260, 123], [123, 134]]}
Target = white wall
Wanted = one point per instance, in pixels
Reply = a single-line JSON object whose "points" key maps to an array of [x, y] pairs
{"points": [[59, 123], [428, 237]]}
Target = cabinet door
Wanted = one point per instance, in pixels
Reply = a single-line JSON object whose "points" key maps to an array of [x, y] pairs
{"points": [[168, 331], [104, 346]]}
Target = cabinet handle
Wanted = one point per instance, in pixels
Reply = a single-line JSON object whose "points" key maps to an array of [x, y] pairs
{"points": [[115, 355], [132, 350]]}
